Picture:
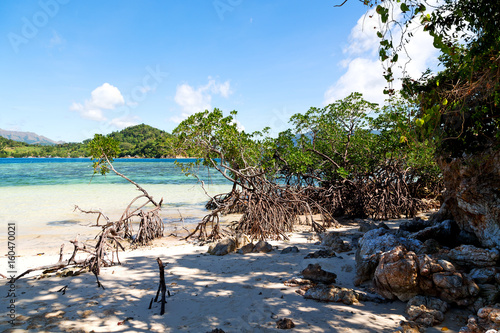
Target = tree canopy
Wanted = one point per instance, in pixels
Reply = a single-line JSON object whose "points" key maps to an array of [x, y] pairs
{"points": [[459, 106]]}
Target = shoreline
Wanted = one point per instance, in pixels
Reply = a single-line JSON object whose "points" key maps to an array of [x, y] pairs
{"points": [[235, 292]]}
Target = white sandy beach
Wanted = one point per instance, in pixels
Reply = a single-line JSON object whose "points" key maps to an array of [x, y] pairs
{"points": [[235, 293]]}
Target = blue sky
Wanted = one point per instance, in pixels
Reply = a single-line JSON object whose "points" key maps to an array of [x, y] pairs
{"points": [[71, 68]]}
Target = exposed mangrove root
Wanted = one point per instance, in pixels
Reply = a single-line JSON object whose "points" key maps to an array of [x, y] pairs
{"points": [[162, 288]]}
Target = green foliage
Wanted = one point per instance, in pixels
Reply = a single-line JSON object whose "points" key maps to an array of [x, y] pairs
{"points": [[102, 150], [218, 142], [145, 141], [459, 106], [332, 142]]}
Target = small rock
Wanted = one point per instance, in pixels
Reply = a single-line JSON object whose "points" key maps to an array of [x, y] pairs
{"points": [[285, 324], [426, 311], [472, 326], [246, 249], [216, 330], [321, 254], [262, 247], [223, 247], [290, 249], [333, 242], [332, 294], [409, 327], [315, 273]]}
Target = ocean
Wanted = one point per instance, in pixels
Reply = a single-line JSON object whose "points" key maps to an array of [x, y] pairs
{"points": [[38, 196]]}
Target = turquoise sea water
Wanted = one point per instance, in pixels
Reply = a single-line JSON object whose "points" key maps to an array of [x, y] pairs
{"points": [[39, 195], [64, 171]]}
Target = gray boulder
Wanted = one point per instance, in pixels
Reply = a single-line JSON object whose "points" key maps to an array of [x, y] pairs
{"points": [[223, 247]]}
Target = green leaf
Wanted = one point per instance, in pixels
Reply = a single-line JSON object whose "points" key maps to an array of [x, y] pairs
{"points": [[404, 7]]}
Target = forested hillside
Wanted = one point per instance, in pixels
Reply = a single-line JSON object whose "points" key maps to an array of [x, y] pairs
{"points": [[135, 141]]}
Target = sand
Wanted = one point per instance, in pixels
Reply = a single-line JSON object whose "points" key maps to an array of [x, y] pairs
{"points": [[236, 293]]}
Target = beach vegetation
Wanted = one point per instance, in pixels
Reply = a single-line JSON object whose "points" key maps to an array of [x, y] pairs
{"points": [[348, 158]]}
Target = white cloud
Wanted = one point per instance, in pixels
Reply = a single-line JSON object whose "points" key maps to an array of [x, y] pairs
{"points": [[363, 75], [106, 97], [123, 122], [363, 67], [193, 100]]}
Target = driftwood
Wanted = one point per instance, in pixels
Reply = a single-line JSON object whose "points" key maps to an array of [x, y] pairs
{"points": [[60, 264], [108, 241]]}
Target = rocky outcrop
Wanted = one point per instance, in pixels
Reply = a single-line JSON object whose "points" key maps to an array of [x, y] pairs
{"points": [[397, 274], [472, 197], [486, 321], [489, 317], [372, 245], [426, 311], [402, 274], [469, 255]]}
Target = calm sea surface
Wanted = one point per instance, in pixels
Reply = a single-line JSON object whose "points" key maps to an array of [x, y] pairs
{"points": [[39, 196]]}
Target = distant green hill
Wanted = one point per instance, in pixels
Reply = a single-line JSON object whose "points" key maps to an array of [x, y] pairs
{"points": [[144, 141], [140, 140]]}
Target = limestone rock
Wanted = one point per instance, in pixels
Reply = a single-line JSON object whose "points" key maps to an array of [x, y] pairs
{"points": [[223, 247], [471, 256], [472, 196], [455, 288], [290, 249], [402, 274], [409, 327], [483, 274], [489, 317], [332, 294], [246, 248], [333, 242], [396, 275], [472, 326], [372, 245], [315, 273], [262, 247], [489, 292], [426, 311]]}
